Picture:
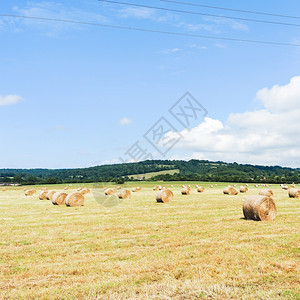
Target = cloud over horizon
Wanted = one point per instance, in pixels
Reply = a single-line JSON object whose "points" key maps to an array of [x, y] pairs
{"points": [[266, 136]]}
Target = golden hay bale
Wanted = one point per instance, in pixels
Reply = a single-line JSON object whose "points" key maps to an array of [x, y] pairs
{"points": [[164, 196], [118, 187], [200, 189], [185, 191], [43, 195], [109, 191], [74, 199], [30, 192], [85, 191], [155, 188], [138, 188], [211, 186], [259, 208], [124, 194], [294, 193], [79, 189], [25, 189], [172, 185], [59, 198], [50, 195], [267, 193], [45, 189], [134, 190], [3, 189], [243, 189], [66, 188], [230, 191]]}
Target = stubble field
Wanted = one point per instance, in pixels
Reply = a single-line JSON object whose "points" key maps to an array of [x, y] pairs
{"points": [[196, 247]]}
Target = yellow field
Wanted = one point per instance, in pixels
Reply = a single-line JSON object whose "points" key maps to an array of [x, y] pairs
{"points": [[198, 246]]}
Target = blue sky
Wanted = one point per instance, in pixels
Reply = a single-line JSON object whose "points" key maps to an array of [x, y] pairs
{"points": [[74, 95]]}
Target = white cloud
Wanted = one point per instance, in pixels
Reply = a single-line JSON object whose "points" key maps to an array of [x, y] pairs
{"points": [[137, 12], [10, 100], [52, 10], [281, 98], [125, 121], [169, 51], [269, 136]]}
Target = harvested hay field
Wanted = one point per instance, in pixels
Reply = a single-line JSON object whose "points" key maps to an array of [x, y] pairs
{"points": [[195, 247]]}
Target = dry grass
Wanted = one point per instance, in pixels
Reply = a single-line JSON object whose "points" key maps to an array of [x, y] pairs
{"points": [[196, 247]]}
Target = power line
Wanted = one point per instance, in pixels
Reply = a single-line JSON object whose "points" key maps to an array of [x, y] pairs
{"points": [[151, 30], [202, 14], [233, 9]]}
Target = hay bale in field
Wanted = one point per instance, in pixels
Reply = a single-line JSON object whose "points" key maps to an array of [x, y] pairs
{"points": [[259, 208], [109, 191], [211, 186], [74, 199], [79, 189], [124, 194], [200, 189], [230, 191], [43, 195], [85, 191], [243, 189], [45, 189], [66, 188], [50, 195], [30, 192], [294, 193], [186, 190], [267, 193], [3, 189], [138, 188], [59, 198], [164, 196], [172, 185], [118, 187]]}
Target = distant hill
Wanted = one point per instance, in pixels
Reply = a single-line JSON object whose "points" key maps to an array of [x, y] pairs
{"points": [[167, 170]]}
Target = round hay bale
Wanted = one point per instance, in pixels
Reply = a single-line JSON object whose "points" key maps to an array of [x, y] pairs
{"points": [[124, 194], [267, 193], [66, 188], [164, 196], [3, 189], [259, 208], [230, 191], [109, 191], [200, 189], [59, 198], [155, 188], [294, 193], [74, 199], [85, 191], [30, 192], [45, 189], [43, 195], [211, 186], [243, 189], [138, 188], [186, 190], [134, 190], [172, 185], [79, 189], [284, 187], [50, 195]]}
